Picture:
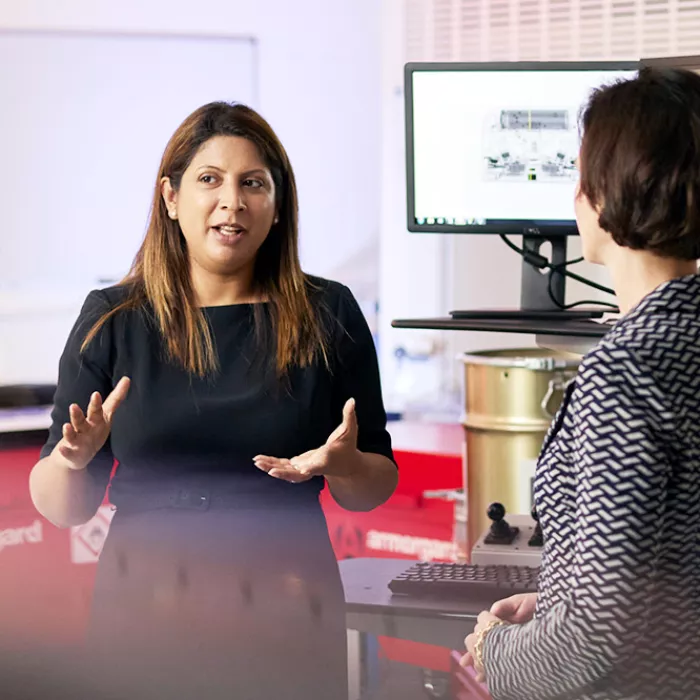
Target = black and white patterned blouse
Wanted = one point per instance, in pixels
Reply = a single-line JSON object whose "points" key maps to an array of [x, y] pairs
{"points": [[618, 493]]}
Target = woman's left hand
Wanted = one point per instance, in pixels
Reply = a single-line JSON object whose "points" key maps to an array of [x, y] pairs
{"points": [[468, 659], [335, 458]]}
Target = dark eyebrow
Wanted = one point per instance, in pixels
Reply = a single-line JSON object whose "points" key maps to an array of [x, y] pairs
{"points": [[247, 173]]}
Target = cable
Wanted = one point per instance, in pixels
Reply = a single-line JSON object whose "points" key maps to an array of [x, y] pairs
{"points": [[557, 269], [586, 302], [534, 258], [583, 280], [540, 262]]}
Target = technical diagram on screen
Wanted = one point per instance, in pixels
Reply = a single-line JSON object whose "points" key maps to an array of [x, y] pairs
{"points": [[530, 145], [492, 148]]}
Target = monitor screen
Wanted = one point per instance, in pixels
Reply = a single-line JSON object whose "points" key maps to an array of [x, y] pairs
{"points": [[492, 148]]}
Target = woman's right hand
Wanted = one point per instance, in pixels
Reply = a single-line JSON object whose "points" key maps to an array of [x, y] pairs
{"points": [[86, 435], [517, 609]]}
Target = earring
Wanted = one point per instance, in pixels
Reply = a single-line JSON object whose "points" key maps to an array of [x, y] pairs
{"points": [[173, 214]]}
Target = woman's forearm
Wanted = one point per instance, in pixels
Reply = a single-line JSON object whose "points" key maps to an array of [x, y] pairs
{"points": [[371, 481], [64, 496]]}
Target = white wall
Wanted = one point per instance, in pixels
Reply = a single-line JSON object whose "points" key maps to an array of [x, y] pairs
{"points": [[87, 139], [319, 86], [424, 275]]}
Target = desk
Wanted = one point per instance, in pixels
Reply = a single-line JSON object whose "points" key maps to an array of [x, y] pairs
{"points": [[576, 337], [574, 329], [372, 610]]}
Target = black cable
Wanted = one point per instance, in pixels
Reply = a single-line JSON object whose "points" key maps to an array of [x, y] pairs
{"points": [[613, 308], [588, 282], [534, 258], [541, 263], [586, 302]]}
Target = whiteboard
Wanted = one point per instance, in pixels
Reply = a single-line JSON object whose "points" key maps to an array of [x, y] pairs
{"points": [[84, 120]]}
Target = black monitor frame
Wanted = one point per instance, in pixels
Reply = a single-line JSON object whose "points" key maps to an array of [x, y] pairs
{"points": [[686, 62], [541, 290], [547, 228]]}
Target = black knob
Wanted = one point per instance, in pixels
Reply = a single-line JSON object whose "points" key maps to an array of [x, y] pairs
{"points": [[537, 539], [500, 531], [496, 512]]}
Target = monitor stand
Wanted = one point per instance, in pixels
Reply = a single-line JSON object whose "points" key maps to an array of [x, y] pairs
{"points": [[536, 303]]}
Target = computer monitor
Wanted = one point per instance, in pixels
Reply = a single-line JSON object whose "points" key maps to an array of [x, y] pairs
{"points": [[687, 62], [491, 149]]}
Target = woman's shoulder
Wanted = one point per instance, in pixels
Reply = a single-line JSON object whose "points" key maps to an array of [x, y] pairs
{"points": [[329, 291], [658, 344], [101, 308], [110, 297], [105, 299], [332, 299], [338, 309], [617, 371]]}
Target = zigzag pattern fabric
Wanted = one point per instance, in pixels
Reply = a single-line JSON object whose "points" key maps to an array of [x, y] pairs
{"points": [[618, 494]]}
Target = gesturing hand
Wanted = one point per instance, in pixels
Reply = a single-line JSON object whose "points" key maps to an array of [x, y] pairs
{"points": [[85, 435], [335, 458]]}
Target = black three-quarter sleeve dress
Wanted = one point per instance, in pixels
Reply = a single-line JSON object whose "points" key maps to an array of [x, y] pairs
{"points": [[618, 493], [215, 577]]}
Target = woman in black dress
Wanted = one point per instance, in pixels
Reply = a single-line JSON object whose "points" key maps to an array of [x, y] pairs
{"points": [[229, 387], [617, 614]]}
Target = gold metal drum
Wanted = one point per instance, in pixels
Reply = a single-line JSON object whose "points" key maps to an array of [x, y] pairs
{"points": [[510, 398]]}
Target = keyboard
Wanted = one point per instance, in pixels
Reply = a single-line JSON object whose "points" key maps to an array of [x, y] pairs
{"points": [[463, 581]]}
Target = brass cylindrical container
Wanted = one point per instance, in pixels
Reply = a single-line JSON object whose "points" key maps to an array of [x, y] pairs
{"points": [[510, 398]]}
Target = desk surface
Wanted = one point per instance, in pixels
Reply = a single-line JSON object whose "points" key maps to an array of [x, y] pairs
{"points": [[366, 583], [372, 609], [580, 329]]}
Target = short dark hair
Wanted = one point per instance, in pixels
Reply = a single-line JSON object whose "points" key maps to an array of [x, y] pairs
{"points": [[640, 161]]}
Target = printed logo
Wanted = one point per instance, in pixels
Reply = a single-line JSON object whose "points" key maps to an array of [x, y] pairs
{"points": [[15, 536], [86, 541]]}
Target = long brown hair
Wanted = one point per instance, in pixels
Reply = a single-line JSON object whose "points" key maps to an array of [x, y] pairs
{"points": [[160, 274]]}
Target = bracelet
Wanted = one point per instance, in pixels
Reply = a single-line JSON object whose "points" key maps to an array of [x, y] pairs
{"points": [[479, 644]]}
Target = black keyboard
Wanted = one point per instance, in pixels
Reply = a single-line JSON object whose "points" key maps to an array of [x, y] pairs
{"points": [[463, 581]]}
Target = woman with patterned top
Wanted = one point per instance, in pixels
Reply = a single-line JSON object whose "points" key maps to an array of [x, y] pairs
{"points": [[617, 614]]}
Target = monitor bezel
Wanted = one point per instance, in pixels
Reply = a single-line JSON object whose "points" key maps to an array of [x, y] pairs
{"points": [[545, 228], [691, 63]]}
